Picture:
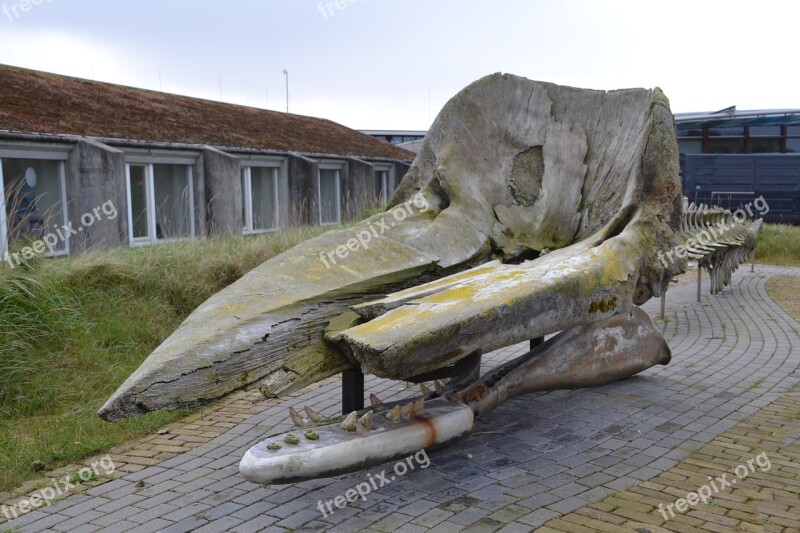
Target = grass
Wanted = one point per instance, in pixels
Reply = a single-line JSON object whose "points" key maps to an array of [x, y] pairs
{"points": [[779, 244], [72, 330]]}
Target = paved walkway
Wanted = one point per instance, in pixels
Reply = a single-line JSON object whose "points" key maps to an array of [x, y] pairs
{"points": [[536, 458]]}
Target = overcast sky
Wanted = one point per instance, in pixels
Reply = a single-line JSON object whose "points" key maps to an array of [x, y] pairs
{"points": [[392, 64]]}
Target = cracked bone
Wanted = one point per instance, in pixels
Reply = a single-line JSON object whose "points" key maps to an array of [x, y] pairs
{"points": [[530, 209], [588, 355], [509, 168], [338, 452], [585, 356]]}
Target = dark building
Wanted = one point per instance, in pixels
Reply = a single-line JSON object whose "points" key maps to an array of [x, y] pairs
{"points": [[73, 151], [732, 157]]}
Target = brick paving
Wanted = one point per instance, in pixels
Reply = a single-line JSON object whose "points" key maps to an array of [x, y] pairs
{"points": [[587, 460]]}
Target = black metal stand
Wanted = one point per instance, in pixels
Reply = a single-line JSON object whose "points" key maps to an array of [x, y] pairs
{"points": [[352, 391]]}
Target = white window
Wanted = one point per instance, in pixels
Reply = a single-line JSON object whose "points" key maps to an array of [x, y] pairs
{"points": [[34, 201], [260, 193], [330, 194], [160, 202], [384, 182]]}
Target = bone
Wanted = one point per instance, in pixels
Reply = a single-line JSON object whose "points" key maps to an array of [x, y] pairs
{"points": [[374, 400], [312, 414], [297, 420], [366, 420], [438, 385], [394, 413], [585, 356], [349, 423], [407, 410], [419, 406], [424, 389]]}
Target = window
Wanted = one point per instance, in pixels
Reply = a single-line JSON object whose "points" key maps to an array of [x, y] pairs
{"points": [[161, 202], [793, 140], [690, 146], [735, 131], [765, 145], [34, 198], [260, 195], [765, 131], [330, 204], [726, 145]]}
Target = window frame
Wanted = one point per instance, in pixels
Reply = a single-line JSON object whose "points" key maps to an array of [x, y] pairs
{"points": [[59, 154], [149, 163], [338, 167], [247, 166]]}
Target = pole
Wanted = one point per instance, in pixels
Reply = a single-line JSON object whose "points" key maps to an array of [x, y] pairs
{"points": [[286, 74], [352, 391], [699, 280]]}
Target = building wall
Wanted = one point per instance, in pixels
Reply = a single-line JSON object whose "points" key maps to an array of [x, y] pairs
{"points": [[96, 182], [95, 178], [358, 188], [223, 193]]}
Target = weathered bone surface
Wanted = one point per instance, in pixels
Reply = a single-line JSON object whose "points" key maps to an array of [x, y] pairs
{"points": [[718, 240], [490, 176], [531, 209]]}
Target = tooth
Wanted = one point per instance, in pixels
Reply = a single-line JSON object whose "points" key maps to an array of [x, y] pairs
{"points": [[349, 423], [407, 410], [296, 418], [425, 390], [312, 414], [419, 406], [439, 385], [394, 414], [366, 420], [374, 400]]}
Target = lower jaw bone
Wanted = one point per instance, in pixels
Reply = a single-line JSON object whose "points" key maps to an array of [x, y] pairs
{"points": [[584, 356]]}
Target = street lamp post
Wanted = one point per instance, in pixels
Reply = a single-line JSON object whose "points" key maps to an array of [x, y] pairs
{"points": [[286, 73]]}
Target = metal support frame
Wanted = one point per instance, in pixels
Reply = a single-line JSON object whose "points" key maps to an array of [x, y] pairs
{"points": [[352, 391], [699, 281]]}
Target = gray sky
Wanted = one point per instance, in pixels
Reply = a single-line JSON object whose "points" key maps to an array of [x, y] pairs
{"points": [[373, 63]]}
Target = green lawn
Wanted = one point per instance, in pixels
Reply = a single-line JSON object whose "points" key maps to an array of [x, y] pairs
{"points": [[72, 330], [779, 244]]}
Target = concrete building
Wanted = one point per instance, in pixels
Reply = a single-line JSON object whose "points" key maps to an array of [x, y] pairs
{"points": [[733, 157], [73, 152]]}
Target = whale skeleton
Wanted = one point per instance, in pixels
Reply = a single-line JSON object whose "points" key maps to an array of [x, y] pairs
{"points": [[532, 209]]}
